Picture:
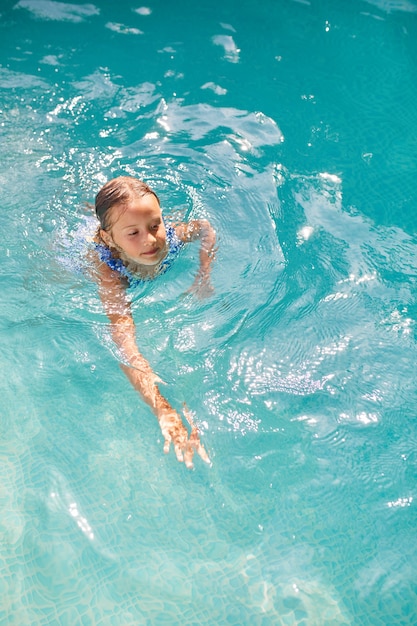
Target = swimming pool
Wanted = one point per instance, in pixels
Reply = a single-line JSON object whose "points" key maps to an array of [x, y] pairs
{"points": [[290, 125]]}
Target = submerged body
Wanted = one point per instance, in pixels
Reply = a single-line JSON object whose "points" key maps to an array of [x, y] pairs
{"points": [[174, 245], [134, 244]]}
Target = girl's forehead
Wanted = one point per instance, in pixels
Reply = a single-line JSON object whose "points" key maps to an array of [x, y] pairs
{"points": [[146, 207]]}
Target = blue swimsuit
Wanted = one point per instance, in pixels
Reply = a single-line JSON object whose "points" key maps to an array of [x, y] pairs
{"points": [[174, 246]]}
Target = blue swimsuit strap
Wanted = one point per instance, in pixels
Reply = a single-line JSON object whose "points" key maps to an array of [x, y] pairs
{"points": [[174, 243]]}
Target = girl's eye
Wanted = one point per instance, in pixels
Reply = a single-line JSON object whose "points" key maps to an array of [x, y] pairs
{"points": [[133, 233], [155, 227]]}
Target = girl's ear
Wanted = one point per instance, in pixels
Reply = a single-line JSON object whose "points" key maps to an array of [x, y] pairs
{"points": [[106, 237]]}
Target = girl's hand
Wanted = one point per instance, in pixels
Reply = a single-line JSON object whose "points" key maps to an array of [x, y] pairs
{"points": [[201, 287], [173, 430]]}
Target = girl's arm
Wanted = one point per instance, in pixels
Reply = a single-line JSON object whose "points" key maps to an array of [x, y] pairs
{"points": [[203, 230], [139, 372]]}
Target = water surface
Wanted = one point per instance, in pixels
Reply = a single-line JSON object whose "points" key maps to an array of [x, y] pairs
{"points": [[291, 126]]}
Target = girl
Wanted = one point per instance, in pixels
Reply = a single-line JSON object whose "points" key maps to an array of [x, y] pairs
{"points": [[133, 244]]}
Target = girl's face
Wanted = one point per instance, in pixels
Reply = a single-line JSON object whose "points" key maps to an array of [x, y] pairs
{"points": [[138, 230]]}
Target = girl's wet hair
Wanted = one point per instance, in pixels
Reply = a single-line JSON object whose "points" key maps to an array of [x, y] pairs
{"points": [[120, 190]]}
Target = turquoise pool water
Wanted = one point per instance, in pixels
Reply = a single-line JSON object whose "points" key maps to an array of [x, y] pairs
{"points": [[291, 125]]}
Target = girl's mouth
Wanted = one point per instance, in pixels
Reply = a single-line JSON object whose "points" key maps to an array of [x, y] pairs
{"points": [[151, 252]]}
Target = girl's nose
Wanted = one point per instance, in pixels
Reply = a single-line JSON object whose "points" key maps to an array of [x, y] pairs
{"points": [[150, 237]]}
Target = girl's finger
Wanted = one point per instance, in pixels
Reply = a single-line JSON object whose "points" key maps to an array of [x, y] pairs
{"points": [[203, 454], [179, 454], [188, 416], [188, 457]]}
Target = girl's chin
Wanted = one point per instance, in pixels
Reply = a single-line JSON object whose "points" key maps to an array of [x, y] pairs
{"points": [[148, 262]]}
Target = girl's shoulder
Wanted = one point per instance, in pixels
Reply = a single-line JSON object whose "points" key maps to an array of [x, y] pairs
{"points": [[106, 256]]}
